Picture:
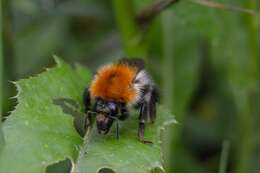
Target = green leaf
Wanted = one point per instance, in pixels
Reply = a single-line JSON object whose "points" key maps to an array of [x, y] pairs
{"points": [[41, 131], [125, 154], [38, 133]]}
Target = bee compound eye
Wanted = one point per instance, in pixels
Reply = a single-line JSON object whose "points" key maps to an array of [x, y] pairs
{"points": [[112, 106]]}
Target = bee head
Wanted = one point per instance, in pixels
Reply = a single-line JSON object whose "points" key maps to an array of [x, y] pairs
{"points": [[106, 114]]}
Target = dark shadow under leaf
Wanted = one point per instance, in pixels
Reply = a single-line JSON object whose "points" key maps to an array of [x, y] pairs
{"points": [[63, 166], [106, 170], [71, 107]]}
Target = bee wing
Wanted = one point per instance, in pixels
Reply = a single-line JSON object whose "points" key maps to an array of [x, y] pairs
{"points": [[134, 62]]}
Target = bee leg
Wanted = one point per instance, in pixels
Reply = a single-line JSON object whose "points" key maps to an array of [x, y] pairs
{"points": [[152, 104], [87, 103], [88, 121], [86, 99], [124, 114], [142, 118]]}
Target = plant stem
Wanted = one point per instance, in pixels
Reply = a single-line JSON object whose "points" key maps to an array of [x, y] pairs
{"points": [[227, 7], [248, 110], [224, 157], [257, 72], [168, 78], [129, 29], [1, 60], [168, 54], [252, 37], [245, 133], [147, 15], [1, 73], [132, 27]]}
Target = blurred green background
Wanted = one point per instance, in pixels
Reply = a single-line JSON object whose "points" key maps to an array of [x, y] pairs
{"points": [[205, 61]]}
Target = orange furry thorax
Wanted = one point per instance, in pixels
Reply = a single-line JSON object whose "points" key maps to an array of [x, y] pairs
{"points": [[114, 82]]}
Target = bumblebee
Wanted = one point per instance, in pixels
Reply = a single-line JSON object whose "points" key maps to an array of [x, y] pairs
{"points": [[115, 89]]}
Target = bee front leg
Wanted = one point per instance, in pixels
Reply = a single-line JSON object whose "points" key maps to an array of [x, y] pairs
{"points": [[88, 121], [86, 99], [87, 105], [142, 120], [124, 114]]}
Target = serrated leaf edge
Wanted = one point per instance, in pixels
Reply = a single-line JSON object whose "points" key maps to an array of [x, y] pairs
{"points": [[58, 64]]}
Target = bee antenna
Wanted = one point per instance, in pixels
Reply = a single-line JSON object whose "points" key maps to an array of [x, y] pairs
{"points": [[91, 113]]}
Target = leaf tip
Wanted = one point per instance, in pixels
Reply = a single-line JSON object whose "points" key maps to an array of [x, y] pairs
{"points": [[58, 60], [18, 89], [158, 169]]}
